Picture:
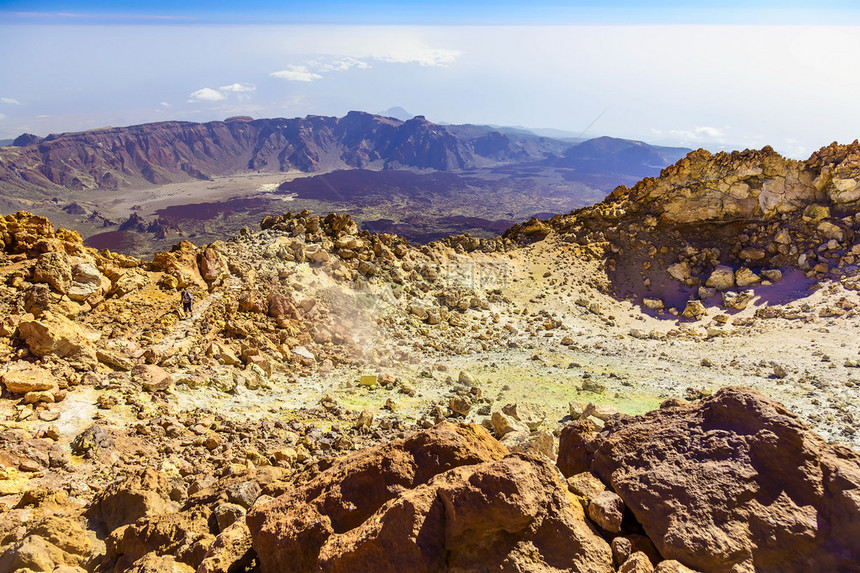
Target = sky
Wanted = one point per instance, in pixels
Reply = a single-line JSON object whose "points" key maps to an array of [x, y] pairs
{"points": [[667, 72]]}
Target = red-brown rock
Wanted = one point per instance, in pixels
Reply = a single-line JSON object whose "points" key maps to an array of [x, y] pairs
{"points": [[506, 515], [212, 265], [733, 483], [289, 533], [145, 493]]}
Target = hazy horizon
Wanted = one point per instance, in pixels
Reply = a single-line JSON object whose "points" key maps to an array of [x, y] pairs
{"points": [[591, 70]]}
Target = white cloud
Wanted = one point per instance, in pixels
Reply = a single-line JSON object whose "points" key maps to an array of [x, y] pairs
{"points": [[238, 88], [314, 69], [297, 74], [423, 56], [206, 94], [338, 65], [709, 131], [10, 101], [697, 133], [165, 104]]}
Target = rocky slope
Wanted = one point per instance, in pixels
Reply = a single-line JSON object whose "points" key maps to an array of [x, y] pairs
{"points": [[717, 224], [339, 400]]}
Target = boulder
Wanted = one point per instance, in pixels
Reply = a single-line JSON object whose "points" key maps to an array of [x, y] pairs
{"points": [[55, 269], [744, 277], [721, 278], [227, 514], [151, 378], [530, 415], [87, 281], [244, 493], [813, 214], [831, 231], [144, 493], [672, 566], [585, 485], [57, 335], [460, 405], [280, 305], [694, 309], [752, 254], [737, 300], [181, 263], [679, 271], [732, 483], [184, 536], [50, 541], [457, 521], [638, 562], [154, 563], [29, 378], [211, 264], [230, 552], [606, 509], [503, 424], [289, 533], [535, 443], [773, 275]]}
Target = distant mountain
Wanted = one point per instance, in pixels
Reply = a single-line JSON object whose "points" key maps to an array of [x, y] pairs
{"points": [[397, 113], [619, 156], [158, 153], [559, 134], [5, 142], [174, 151]]}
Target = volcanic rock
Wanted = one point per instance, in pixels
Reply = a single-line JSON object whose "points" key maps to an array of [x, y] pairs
{"points": [[54, 268], [212, 265], [30, 378], [455, 521], [291, 532], [151, 378], [721, 278], [57, 335], [638, 562], [142, 494], [180, 263], [732, 483], [231, 551], [606, 510]]}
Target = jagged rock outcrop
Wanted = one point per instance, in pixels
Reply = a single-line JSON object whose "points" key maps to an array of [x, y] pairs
{"points": [[429, 503], [721, 221], [734, 483]]}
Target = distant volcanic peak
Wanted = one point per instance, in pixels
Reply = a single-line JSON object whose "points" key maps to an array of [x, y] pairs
{"points": [[397, 113]]}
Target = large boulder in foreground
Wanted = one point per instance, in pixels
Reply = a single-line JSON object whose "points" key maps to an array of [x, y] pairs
{"points": [[507, 515], [734, 483], [444, 498]]}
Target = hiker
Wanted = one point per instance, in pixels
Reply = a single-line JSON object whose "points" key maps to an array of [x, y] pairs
{"points": [[187, 299]]}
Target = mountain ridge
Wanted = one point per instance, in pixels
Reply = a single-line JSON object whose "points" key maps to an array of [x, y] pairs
{"points": [[113, 158]]}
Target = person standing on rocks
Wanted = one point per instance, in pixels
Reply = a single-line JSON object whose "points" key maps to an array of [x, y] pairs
{"points": [[187, 301]]}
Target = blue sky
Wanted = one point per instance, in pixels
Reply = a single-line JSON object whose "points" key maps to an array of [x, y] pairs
{"points": [[682, 73], [474, 12]]}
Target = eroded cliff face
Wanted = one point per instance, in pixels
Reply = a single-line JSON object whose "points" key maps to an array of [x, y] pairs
{"points": [[159, 153]]}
